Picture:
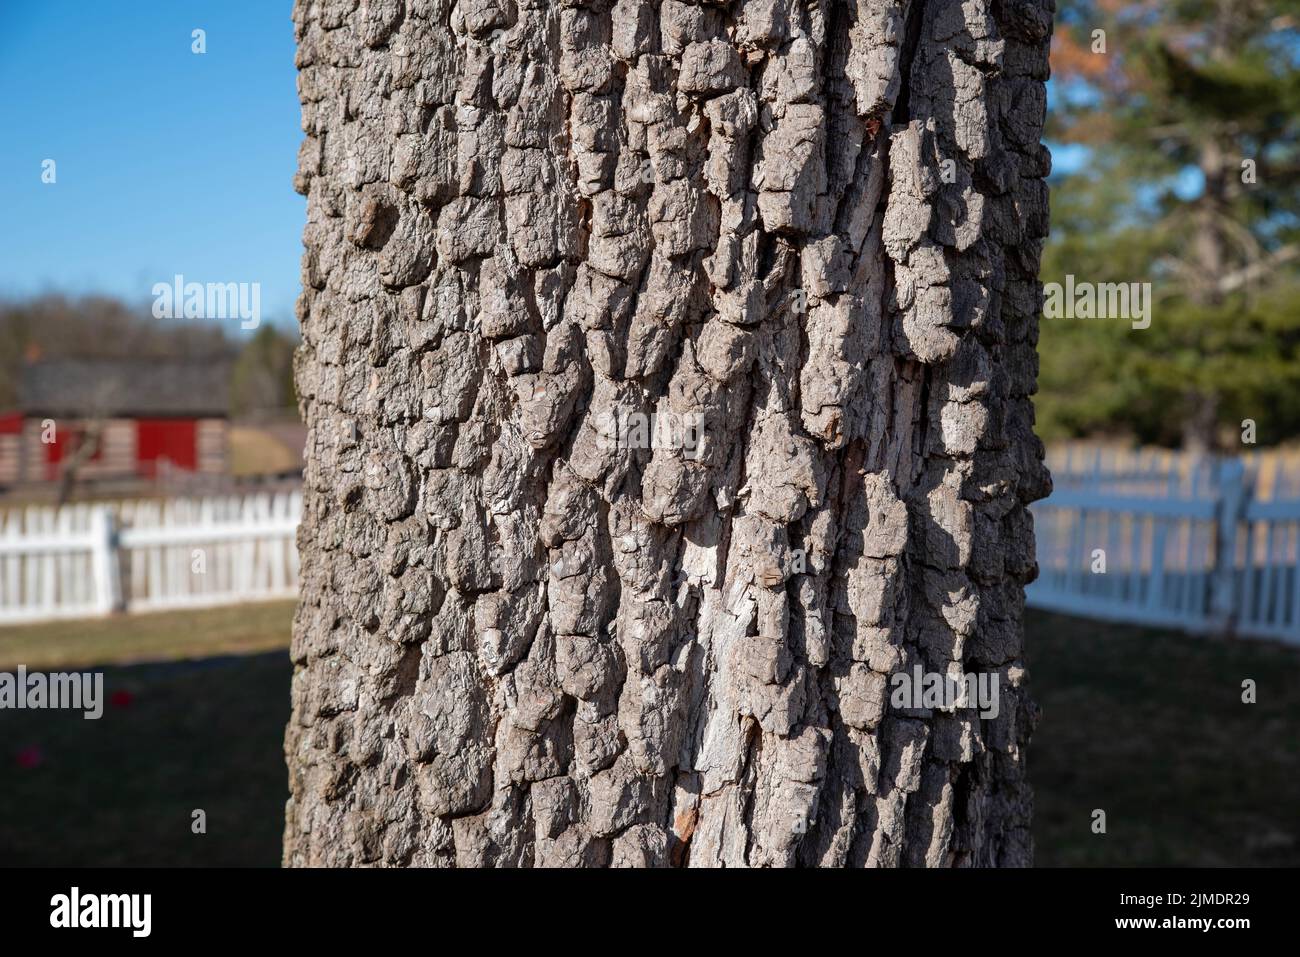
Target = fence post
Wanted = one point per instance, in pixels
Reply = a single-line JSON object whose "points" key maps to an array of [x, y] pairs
{"points": [[103, 560], [1231, 495]]}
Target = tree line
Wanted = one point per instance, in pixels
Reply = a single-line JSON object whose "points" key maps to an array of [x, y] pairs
{"points": [[56, 326]]}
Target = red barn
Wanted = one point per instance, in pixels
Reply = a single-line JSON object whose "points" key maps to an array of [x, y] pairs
{"points": [[116, 419]]}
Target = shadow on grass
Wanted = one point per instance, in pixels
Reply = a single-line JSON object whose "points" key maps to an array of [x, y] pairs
{"points": [[1150, 727], [121, 791], [1146, 725]]}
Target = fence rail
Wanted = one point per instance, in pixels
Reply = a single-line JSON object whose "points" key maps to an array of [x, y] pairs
{"points": [[86, 560], [1200, 543]]}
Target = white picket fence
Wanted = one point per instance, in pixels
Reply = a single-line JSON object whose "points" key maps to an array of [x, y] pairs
{"points": [[1158, 538], [93, 559]]}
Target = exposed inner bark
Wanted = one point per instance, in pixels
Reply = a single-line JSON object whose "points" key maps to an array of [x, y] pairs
{"points": [[525, 639]]}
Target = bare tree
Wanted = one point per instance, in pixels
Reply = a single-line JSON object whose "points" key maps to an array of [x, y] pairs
{"points": [[667, 369], [87, 439], [87, 443]]}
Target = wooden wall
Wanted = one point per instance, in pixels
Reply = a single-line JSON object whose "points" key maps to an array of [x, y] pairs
{"points": [[25, 458]]}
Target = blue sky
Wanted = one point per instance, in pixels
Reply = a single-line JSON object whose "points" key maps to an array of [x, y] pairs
{"points": [[167, 161]]}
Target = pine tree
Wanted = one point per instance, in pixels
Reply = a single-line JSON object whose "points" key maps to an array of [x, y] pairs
{"points": [[1190, 114]]}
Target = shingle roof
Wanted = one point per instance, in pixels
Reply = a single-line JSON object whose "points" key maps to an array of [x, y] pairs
{"points": [[126, 387]]}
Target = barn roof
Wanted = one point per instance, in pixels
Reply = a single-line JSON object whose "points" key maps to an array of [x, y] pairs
{"points": [[126, 387]]}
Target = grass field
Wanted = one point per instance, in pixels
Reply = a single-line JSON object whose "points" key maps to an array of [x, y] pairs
{"points": [[1148, 726], [164, 636]]}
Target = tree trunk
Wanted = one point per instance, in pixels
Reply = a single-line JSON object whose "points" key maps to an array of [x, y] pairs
{"points": [[538, 627], [1201, 423]]}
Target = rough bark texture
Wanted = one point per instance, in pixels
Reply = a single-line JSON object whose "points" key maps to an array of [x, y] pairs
{"points": [[523, 642]]}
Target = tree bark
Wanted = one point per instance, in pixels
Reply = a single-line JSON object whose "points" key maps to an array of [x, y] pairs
{"points": [[805, 235]]}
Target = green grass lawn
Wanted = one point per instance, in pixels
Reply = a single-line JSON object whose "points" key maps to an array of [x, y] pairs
{"points": [[160, 636], [201, 730], [1147, 725]]}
